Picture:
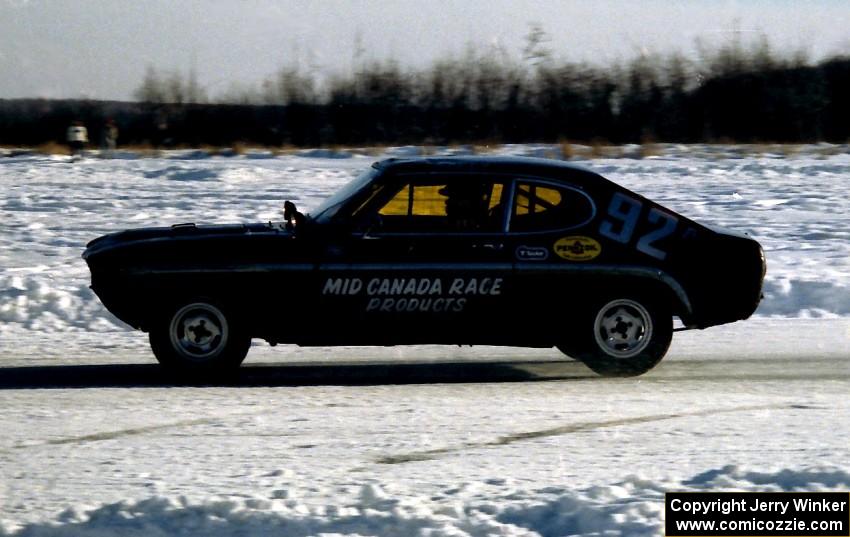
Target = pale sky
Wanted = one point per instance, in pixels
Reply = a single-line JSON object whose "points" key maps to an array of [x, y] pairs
{"points": [[100, 48]]}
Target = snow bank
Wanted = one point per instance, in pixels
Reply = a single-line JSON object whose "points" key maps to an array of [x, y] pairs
{"points": [[794, 297], [632, 507], [324, 154], [37, 303]]}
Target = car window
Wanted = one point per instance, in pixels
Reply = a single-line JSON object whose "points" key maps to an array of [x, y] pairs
{"points": [[541, 207], [463, 204], [416, 200]]}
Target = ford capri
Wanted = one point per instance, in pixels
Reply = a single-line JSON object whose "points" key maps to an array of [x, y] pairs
{"points": [[454, 250]]}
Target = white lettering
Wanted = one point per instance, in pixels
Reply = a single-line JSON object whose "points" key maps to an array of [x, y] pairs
{"points": [[398, 287], [372, 288], [342, 286], [354, 286], [497, 287], [392, 289], [332, 286], [373, 304], [486, 285], [410, 305], [424, 286]]}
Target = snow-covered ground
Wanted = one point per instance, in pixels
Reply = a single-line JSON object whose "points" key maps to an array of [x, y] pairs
{"points": [[97, 442]]}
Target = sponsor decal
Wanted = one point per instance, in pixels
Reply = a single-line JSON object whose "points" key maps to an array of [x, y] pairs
{"points": [[577, 248], [532, 253], [400, 295]]}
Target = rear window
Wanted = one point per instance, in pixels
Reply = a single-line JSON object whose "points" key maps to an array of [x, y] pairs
{"points": [[544, 207]]}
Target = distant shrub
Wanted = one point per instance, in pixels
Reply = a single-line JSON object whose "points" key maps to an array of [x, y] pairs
{"points": [[567, 150], [53, 148]]}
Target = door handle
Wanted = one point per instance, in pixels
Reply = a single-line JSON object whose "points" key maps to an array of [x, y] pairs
{"points": [[491, 246]]}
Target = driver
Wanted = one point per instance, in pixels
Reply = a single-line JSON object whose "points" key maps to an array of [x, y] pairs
{"points": [[466, 204]]}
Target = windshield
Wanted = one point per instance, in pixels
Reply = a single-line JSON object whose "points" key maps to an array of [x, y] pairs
{"points": [[328, 208]]}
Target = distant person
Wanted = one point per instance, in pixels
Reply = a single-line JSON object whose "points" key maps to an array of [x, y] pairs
{"points": [[110, 137], [77, 138]]}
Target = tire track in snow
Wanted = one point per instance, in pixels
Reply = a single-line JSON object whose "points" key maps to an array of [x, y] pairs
{"points": [[416, 456], [110, 435]]}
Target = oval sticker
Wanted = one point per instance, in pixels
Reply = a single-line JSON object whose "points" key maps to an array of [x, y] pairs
{"points": [[577, 248]]}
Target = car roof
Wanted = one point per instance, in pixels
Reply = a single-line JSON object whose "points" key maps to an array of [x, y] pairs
{"points": [[523, 165]]}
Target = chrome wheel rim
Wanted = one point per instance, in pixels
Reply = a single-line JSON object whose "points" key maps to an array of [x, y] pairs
{"points": [[198, 331], [623, 328]]}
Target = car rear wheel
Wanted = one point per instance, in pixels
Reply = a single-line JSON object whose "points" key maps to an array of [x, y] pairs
{"points": [[624, 336], [199, 336]]}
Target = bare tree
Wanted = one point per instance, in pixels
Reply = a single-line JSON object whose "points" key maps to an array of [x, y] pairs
{"points": [[151, 89], [535, 51]]}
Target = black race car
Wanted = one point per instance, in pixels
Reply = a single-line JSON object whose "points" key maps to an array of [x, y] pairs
{"points": [[491, 251]]}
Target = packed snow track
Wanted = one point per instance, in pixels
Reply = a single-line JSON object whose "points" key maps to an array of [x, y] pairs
{"points": [[384, 442]]}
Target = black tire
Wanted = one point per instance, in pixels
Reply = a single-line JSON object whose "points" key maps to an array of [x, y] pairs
{"points": [[199, 337], [625, 336]]}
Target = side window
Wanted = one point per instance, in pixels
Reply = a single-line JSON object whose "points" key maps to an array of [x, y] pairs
{"points": [[416, 200], [399, 205], [462, 204], [543, 207]]}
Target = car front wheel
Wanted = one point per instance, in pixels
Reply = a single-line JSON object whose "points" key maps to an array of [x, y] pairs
{"points": [[623, 337], [198, 336]]}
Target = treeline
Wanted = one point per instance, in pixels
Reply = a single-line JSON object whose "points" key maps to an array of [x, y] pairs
{"points": [[738, 93]]}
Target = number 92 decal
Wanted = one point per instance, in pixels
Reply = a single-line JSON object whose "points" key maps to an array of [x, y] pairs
{"points": [[622, 219]]}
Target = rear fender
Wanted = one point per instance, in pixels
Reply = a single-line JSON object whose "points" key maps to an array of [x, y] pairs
{"points": [[647, 281]]}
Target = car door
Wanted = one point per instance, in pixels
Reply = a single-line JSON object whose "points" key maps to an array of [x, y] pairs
{"points": [[553, 250], [430, 263]]}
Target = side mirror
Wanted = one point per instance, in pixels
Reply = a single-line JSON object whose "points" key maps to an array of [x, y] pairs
{"points": [[293, 218]]}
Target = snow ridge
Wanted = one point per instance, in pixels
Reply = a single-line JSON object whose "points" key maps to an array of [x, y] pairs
{"points": [[631, 507]]}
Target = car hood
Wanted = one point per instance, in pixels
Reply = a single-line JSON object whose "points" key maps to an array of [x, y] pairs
{"points": [[121, 238]]}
